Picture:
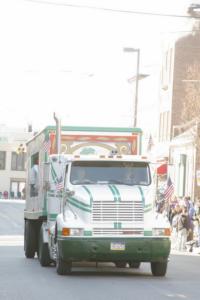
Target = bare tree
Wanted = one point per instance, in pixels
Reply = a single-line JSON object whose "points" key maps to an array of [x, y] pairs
{"points": [[191, 101]]}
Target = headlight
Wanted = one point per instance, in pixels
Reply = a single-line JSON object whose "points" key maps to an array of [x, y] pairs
{"points": [[161, 232], [72, 231], [76, 231]]}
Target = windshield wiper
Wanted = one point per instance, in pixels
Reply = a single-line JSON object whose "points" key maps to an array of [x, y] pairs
{"points": [[120, 182], [83, 181], [86, 181]]}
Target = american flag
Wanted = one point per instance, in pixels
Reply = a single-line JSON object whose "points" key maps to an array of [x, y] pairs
{"points": [[150, 143], [46, 144], [59, 184], [169, 190]]}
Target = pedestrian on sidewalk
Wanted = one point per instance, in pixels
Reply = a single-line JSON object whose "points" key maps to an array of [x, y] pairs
{"points": [[182, 228], [174, 226], [196, 220]]}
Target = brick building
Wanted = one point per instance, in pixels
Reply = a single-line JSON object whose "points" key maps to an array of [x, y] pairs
{"points": [[180, 111]]}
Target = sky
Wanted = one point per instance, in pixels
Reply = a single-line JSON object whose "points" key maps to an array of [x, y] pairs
{"points": [[70, 60]]}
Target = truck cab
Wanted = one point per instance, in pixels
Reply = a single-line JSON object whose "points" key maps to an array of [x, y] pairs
{"points": [[105, 213]]}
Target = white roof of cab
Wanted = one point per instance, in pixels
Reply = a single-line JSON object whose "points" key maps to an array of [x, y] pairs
{"points": [[70, 157]]}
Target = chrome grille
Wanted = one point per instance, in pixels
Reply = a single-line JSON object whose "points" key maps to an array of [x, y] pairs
{"points": [[117, 232], [123, 211]]}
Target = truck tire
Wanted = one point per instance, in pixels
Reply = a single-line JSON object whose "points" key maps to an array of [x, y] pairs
{"points": [[159, 268], [62, 267], [29, 239], [43, 251], [134, 264]]}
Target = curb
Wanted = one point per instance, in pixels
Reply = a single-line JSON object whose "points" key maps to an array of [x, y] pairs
{"points": [[186, 253]]}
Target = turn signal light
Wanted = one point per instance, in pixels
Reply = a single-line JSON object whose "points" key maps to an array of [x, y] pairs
{"points": [[66, 231], [167, 231]]}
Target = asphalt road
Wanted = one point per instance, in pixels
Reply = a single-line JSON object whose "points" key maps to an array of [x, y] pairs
{"points": [[22, 278], [11, 217]]}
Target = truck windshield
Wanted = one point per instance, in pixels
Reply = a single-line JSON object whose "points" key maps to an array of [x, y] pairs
{"points": [[107, 172]]}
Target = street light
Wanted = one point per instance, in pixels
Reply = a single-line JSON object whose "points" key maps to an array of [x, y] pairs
{"points": [[137, 50], [20, 149]]}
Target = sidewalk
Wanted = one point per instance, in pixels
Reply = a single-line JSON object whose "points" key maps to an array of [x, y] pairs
{"points": [[11, 240], [195, 252]]}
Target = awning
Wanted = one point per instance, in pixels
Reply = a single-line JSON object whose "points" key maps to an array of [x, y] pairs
{"points": [[162, 169]]}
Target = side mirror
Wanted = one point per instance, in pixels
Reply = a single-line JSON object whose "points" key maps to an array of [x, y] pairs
{"points": [[69, 193], [46, 171]]}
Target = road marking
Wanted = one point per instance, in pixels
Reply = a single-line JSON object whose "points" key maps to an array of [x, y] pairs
{"points": [[10, 220], [11, 240], [177, 295], [12, 201]]}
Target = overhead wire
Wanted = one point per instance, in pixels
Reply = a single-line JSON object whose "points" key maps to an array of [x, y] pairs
{"points": [[181, 31], [81, 6]]}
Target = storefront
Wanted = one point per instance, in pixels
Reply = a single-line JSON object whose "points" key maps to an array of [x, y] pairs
{"points": [[183, 156]]}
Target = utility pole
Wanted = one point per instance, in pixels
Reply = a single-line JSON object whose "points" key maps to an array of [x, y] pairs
{"points": [[137, 50]]}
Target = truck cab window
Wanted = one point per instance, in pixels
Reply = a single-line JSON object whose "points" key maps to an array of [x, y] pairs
{"points": [[109, 172]]}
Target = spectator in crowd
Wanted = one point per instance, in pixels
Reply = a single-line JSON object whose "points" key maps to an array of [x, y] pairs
{"points": [[197, 228], [182, 228], [174, 225], [191, 213], [196, 220], [184, 217]]}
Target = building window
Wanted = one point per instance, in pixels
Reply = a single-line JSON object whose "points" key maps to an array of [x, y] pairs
{"points": [[17, 189], [18, 161], [161, 128], [164, 127], [168, 126], [2, 160], [170, 65]]}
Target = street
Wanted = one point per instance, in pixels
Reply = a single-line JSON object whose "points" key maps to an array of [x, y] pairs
{"points": [[11, 217], [22, 278]]}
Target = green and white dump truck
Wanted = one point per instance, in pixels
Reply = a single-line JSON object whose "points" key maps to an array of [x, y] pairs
{"points": [[90, 197]]}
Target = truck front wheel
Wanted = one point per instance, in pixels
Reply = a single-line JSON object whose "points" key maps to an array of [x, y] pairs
{"points": [[43, 251], [159, 268], [29, 239]]}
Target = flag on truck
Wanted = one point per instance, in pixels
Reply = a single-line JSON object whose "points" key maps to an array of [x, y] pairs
{"points": [[58, 181], [59, 184], [46, 144], [169, 191]]}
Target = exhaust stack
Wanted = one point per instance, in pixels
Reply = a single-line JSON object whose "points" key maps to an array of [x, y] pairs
{"points": [[58, 133]]}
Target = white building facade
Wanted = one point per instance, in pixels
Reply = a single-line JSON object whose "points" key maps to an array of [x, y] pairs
{"points": [[13, 161]]}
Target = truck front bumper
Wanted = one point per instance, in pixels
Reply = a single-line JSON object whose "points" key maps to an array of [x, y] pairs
{"points": [[144, 249]]}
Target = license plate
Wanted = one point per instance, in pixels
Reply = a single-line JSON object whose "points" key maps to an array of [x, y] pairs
{"points": [[117, 246]]}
